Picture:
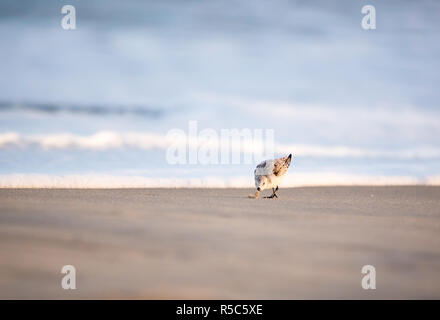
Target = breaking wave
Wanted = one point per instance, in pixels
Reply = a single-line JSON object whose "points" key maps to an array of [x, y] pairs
{"points": [[105, 140]]}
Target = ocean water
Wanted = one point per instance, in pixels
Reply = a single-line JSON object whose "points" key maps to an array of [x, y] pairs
{"points": [[92, 107]]}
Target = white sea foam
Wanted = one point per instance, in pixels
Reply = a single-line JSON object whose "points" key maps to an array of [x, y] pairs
{"points": [[144, 140], [99, 141], [113, 181]]}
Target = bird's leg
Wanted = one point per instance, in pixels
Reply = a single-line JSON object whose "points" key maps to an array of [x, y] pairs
{"points": [[273, 194]]}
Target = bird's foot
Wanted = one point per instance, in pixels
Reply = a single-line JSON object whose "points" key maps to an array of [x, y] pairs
{"points": [[274, 194]]}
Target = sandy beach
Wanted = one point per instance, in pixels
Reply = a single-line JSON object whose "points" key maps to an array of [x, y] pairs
{"points": [[216, 243]]}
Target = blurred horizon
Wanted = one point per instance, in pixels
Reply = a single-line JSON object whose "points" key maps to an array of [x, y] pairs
{"points": [[89, 107]]}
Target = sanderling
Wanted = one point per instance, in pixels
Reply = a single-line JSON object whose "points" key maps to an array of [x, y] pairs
{"points": [[269, 174]]}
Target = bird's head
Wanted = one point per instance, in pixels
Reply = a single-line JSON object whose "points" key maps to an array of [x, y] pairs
{"points": [[261, 183]]}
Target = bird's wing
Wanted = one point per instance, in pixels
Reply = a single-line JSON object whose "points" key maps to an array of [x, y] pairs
{"points": [[265, 168], [280, 166]]}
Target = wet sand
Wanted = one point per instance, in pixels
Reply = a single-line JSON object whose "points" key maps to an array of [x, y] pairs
{"points": [[217, 243]]}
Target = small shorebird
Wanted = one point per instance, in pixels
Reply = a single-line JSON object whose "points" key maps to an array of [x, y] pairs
{"points": [[269, 174]]}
